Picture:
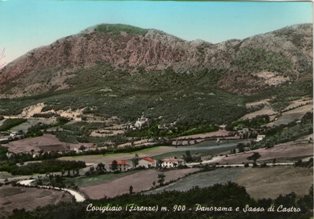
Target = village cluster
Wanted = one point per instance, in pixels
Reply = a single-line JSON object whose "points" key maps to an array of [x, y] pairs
{"points": [[147, 162]]}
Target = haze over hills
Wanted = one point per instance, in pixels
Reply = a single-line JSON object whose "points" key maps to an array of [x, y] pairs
{"points": [[256, 63]]}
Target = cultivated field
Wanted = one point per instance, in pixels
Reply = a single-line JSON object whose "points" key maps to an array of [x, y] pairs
{"points": [[158, 152], [292, 115], [46, 142], [142, 180], [219, 133], [32, 122], [266, 110], [289, 151], [108, 158], [271, 182], [203, 179], [259, 182], [28, 198], [84, 181]]}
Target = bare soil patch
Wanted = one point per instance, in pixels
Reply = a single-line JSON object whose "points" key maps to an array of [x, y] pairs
{"points": [[28, 198], [219, 133], [271, 182], [266, 110], [140, 181], [259, 182], [292, 115], [289, 151], [45, 142]]}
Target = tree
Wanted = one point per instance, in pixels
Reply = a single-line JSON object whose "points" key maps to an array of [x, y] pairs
{"points": [[92, 169], [240, 147], [131, 189], [114, 165], [77, 172], [161, 179], [158, 163], [135, 160], [188, 157], [100, 168], [82, 148], [255, 156]]}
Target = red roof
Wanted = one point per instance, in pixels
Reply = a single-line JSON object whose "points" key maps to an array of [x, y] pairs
{"points": [[149, 159], [122, 162]]}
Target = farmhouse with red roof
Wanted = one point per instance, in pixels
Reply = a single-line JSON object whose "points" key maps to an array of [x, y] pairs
{"points": [[147, 162]]}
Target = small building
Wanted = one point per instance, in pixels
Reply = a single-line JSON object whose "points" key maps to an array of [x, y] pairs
{"points": [[172, 163], [260, 138], [147, 162], [122, 165], [141, 122]]}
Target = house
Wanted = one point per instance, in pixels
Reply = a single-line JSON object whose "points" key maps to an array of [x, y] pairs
{"points": [[172, 162], [141, 122], [121, 165], [259, 138], [16, 135], [147, 162]]}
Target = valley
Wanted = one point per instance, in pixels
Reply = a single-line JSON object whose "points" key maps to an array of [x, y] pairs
{"points": [[116, 112]]}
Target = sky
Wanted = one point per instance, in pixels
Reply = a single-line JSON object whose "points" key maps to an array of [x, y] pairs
{"points": [[28, 24]]}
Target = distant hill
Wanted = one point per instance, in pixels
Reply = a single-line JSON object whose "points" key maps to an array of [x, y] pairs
{"points": [[124, 71], [248, 65]]}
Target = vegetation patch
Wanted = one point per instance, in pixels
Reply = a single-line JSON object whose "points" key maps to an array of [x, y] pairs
{"points": [[46, 166], [10, 123], [116, 29]]}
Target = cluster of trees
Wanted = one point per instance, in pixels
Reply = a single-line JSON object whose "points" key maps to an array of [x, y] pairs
{"points": [[285, 133], [37, 130], [46, 166], [258, 59], [181, 128], [301, 163], [189, 158], [51, 180], [10, 123], [3, 153], [229, 195], [255, 123], [254, 157], [100, 169]]}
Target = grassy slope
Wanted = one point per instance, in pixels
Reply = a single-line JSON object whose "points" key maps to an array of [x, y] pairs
{"points": [[194, 98]]}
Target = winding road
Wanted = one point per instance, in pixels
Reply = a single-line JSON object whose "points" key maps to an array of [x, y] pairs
{"points": [[78, 197]]}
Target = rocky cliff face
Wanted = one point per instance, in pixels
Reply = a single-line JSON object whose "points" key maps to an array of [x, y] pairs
{"points": [[257, 62]]}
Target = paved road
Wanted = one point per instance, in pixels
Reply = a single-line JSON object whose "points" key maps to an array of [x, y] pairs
{"points": [[210, 162]]}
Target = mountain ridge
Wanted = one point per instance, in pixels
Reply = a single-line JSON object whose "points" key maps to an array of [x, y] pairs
{"points": [[135, 49]]}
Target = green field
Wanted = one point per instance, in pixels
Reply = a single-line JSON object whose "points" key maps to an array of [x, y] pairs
{"points": [[83, 181]]}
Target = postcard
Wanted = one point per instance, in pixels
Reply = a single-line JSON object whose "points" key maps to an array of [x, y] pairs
{"points": [[156, 109]]}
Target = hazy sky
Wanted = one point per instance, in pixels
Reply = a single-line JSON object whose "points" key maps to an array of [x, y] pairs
{"points": [[27, 24]]}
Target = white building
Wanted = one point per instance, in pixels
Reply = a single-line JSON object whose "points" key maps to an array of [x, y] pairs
{"points": [[260, 137], [147, 162], [172, 162], [141, 122]]}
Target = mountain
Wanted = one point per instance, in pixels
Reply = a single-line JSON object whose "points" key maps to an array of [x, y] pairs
{"points": [[248, 65], [124, 71]]}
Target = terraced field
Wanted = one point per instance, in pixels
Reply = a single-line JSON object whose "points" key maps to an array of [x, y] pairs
{"points": [[259, 182], [140, 181]]}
